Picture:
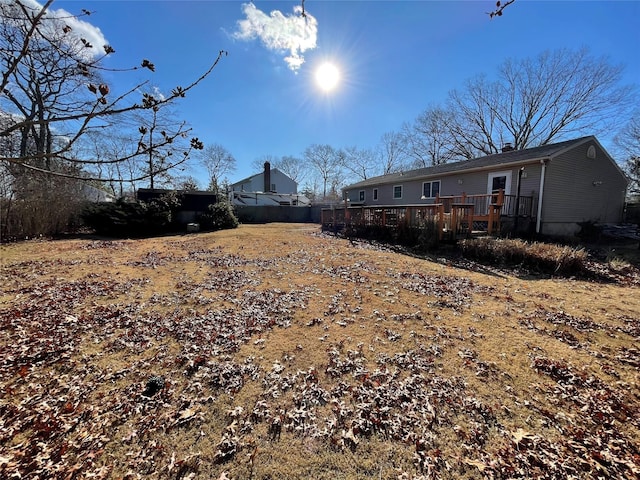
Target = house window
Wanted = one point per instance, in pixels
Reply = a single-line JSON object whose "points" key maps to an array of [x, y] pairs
{"points": [[273, 187], [375, 194], [361, 195], [397, 191], [431, 189]]}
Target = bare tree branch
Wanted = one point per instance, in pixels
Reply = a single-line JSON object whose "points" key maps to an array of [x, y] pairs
{"points": [[500, 8], [55, 92]]}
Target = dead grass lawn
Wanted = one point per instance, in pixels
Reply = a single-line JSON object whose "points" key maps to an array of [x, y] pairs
{"points": [[287, 354]]}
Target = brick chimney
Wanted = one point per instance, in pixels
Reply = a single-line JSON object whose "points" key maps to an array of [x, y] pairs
{"points": [[267, 177], [507, 147]]}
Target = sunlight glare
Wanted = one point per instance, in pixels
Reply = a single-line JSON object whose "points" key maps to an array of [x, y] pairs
{"points": [[327, 76]]}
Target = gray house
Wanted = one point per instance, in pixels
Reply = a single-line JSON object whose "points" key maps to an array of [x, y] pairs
{"points": [[555, 186], [269, 180]]}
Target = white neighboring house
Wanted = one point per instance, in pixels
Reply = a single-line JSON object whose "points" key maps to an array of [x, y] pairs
{"points": [[270, 187]]}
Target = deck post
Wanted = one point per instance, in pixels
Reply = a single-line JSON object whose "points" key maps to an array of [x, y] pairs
{"points": [[454, 220], [490, 222]]}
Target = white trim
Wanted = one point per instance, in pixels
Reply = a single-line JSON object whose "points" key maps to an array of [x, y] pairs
{"points": [[431, 188], [393, 192], [507, 185], [541, 190]]}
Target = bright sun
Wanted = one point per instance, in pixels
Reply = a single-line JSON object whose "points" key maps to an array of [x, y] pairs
{"points": [[327, 76]]}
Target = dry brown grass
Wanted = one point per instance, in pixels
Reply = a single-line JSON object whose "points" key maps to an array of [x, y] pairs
{"points": [[505, 377]]}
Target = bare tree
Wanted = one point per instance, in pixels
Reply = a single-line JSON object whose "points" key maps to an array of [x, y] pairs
{"points": [[628, 141], [258, 164], [51, 87], [293, 167], [536, 101], [429, 140], [163, 140], [394, 156], [326, 161], [311, 189], [218, 162], [363, 163], [474, 122], [52, 96], [104, 148]]}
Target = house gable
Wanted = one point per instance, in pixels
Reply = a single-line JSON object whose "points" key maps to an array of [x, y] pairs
{"points": [[279, 183], [583, 184]]}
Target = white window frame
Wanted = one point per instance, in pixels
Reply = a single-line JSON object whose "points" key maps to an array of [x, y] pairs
{"points": [[375, 194], [361, 196], [394, 192], [507, 185], [492, 175], [431, 188]]}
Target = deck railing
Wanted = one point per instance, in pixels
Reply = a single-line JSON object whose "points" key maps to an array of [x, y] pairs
{"points": [[481, 203], [453, 215]]}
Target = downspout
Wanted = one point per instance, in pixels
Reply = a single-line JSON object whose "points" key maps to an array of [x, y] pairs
{"points": [[540, 195], [517, 212]]}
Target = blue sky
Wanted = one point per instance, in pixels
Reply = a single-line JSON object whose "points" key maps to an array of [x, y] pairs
{"points": [[395, 57]]}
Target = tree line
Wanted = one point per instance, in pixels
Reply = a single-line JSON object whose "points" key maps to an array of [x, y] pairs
{"points": [[63, 126], [528, 102]]}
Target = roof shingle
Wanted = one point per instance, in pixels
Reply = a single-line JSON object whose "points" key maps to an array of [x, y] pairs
{"points": [[514, 156]]}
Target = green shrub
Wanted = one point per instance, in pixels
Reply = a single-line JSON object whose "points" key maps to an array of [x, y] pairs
{"points": [[537, 256], [219, 216], [124, 219]]}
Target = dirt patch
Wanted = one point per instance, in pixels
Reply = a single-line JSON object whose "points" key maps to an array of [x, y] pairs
{"points": [[274, 351]]}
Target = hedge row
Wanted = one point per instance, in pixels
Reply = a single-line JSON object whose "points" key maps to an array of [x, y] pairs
{"points": [[158, 216]]}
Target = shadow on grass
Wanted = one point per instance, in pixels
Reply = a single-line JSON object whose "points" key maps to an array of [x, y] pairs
{"points": [[599, 266]]}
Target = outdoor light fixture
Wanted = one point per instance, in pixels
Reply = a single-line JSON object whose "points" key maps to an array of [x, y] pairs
{"points": [[460, 182]]}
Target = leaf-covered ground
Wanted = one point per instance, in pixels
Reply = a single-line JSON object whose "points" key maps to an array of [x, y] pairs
{"points": [[276, 352]]}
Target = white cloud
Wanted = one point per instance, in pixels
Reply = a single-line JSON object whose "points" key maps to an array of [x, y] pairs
{"points": [[79, 27], [293, 33], [157, 93]]}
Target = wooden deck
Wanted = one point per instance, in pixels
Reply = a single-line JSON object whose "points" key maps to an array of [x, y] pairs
{"points": [[454, 216]]}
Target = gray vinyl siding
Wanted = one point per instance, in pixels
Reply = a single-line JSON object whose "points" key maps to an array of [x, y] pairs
{"points": [[283, 184], [530, 186], [473, 183], [570, 195]]}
